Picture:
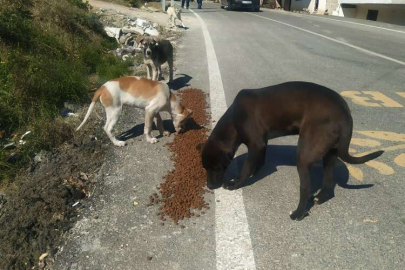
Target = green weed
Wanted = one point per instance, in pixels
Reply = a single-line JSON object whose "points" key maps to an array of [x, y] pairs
{"points": [[48, 51]]}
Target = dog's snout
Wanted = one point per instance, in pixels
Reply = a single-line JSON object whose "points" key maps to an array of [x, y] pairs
{"points": [[148, 52]]}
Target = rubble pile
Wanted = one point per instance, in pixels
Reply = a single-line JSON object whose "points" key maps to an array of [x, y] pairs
{"points": [[125, 30]]}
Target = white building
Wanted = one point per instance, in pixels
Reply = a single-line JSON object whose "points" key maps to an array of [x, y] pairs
{"points": [[389, 11], [312, 6]]}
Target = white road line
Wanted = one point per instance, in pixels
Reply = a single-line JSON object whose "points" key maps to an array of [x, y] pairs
{"points": [[233, 244], [342, 21], [372, 26], [335, 40]]}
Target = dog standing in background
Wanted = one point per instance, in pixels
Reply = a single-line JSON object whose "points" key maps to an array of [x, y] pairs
{"points": [[174, 15], [155, 53]]}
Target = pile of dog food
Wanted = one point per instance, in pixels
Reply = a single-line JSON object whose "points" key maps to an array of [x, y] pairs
{"points": [[182, 192]]}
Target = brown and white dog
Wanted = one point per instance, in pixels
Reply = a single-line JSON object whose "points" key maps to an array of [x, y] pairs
{"points": [[152, 96], [156, 52]]}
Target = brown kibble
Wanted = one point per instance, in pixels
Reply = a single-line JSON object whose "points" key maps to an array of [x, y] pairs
{"points": [[183, 189], [182, 226], [149, 258]]}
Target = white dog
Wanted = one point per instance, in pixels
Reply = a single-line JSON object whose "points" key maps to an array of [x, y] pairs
{"points": [[152, 96], [174, 14]]}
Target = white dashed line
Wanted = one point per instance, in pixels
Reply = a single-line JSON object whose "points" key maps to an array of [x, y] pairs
{"points": [[362, 24], [233, 244], [336, 20], [335, 40]]}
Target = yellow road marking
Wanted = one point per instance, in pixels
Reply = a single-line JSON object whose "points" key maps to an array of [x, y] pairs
{"points": [[384, 135], [355, 172], [370, 220], [400, 160], [364, 142], [381, 167], [372, 99], [357, 98], [386, 101], [386, 149], [351, 150], [402, 94]]}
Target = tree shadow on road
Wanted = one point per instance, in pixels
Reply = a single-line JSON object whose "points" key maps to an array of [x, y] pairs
{"points": [[285, 155]]}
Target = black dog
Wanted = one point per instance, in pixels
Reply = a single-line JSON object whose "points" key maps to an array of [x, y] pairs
{"points": [[319, 115]]}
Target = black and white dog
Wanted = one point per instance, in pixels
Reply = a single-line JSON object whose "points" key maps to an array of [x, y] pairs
{"points": [[155, 53]]}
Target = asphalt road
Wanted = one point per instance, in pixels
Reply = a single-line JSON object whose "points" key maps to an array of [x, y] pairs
{"points": [[362, 227]]}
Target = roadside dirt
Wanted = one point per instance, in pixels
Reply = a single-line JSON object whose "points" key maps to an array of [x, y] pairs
{"points": [[159, 17], [42, 203], [45, 201]]}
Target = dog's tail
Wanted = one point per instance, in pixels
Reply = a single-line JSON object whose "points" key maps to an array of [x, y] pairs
{"points": [[91, 107], [343, 148]]}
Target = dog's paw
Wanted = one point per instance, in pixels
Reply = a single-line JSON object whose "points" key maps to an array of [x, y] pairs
{"points": [[120, 143], [230, 185], [166, 134], [322, 197], [152, 140], [298, 215]]}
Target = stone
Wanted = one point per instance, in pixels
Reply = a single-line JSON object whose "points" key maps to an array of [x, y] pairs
{"points": [[152, 31], [113, 32], [71, 106], [123, 38], [9, 146], [40, 157], [133, 30], [14, 158], [142, 22]]}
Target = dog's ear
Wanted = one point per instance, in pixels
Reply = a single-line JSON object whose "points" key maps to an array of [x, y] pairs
{"points": [[157, 40], [200, 147], [139, 41], [189, 113]]}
